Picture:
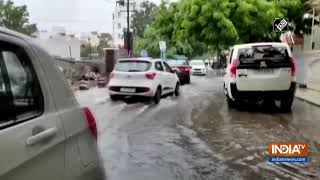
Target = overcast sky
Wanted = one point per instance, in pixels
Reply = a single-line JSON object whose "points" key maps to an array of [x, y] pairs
{"points": [[75, 15]]}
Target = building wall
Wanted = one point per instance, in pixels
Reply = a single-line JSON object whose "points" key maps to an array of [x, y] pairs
{"points": [[58, 45], [120, 22]]}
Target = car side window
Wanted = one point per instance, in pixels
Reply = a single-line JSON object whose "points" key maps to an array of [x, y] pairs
{"points": [[230, 56], [167, 67], [20, 92], [158, 66]]}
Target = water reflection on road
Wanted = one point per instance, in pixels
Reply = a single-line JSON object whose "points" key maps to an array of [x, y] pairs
{"points": [[196, 136]]}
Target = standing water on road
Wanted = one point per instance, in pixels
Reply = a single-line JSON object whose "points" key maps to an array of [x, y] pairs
{"points": [[196, 136]]}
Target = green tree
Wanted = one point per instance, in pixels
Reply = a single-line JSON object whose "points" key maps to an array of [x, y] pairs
{"points": [[85, 50], [143, 17], [104, 39], [197, 27], [16, 18]]}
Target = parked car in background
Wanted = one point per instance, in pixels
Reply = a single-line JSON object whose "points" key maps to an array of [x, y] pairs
{"points": [[261, 71], [181, 68], [143, 77], [44, 134], [198, 67]]}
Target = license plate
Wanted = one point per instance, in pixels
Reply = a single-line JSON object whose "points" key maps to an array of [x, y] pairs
{"points": [[265, 71], [130, 90]]}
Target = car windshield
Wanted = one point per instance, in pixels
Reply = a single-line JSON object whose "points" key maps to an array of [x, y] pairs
{"points": [[196, 63], [132, 66], [275, 54], [174, 63]]}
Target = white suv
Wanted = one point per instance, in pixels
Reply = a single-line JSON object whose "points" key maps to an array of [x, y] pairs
{"points": [[44, 133], [260, 71], [143, 77]]}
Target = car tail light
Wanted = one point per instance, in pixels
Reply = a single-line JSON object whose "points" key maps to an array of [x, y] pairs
{"points": [[293, 66], [184, 69], [91, 122], [151, 75], [233, 68], [110, 88], [146, 89]]}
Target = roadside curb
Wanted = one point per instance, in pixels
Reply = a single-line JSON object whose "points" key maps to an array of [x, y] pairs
{"points": [[308, 101]]}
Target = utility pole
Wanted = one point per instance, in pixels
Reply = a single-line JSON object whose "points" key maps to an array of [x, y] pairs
{"points": [[128, 29], [89, 49], [312, 27]]}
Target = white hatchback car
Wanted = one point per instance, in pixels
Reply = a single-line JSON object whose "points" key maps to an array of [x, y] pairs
{"points": [[198, 67], [44, 134], [143, 77], [261, 71]]}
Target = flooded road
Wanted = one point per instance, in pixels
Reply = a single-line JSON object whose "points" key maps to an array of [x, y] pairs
{"points": [[196, 136]]}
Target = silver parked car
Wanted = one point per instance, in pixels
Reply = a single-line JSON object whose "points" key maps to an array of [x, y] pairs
{"points": [[44, 134]]}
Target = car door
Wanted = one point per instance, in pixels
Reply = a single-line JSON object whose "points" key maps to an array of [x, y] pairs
{"points": [[162, 75], [170, 77], [32, 139]]}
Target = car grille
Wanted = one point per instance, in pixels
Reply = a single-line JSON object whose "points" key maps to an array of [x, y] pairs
{"points": [[197, 69]]}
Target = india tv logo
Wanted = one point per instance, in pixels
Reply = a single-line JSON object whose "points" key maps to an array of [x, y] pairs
{"points": [[288, 152]]}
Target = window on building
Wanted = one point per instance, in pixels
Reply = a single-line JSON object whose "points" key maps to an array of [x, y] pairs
{"points": [[119, 26], [119, 14]]}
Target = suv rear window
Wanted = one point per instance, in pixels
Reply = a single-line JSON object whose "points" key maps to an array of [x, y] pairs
{"points": [[266, 53], [174, 63], [132, 66]]}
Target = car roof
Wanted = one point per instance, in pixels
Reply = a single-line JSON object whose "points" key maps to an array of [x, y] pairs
{"points": [[259, 44], [196, 60], [136, 59], [16, 34]]}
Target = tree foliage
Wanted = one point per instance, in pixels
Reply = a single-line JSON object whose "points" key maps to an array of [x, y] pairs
{"points": [[16, 18], [196, 27], [104, 39], [143, 17]]}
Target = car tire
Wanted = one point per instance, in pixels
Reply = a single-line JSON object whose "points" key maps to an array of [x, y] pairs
{"points": [[114, 97], [187, 81], [157, 96], [286, 104], [231, 103], [176, 90]]}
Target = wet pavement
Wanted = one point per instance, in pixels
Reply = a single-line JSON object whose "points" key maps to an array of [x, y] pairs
{"points": [[196, 136]]}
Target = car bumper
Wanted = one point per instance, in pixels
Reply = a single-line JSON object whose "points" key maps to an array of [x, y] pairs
{"points": [[183, 77], [116, 90], [236, 94], [202, 72]]}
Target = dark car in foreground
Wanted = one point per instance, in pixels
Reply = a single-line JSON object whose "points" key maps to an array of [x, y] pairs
{"points": [[182, 69]]}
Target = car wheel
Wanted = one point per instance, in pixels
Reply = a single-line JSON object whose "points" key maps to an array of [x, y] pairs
{"points": [[188, 81], [231, 102], [157, 96], [286, 104], [176, 90]]}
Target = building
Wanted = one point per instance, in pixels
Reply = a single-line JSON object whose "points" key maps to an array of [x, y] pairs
{"points": [[92, 38], [59, 44], [120, 21]]}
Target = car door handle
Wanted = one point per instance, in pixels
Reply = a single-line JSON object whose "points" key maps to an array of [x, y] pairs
{"points": [[240, 75], [46, 134]]}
